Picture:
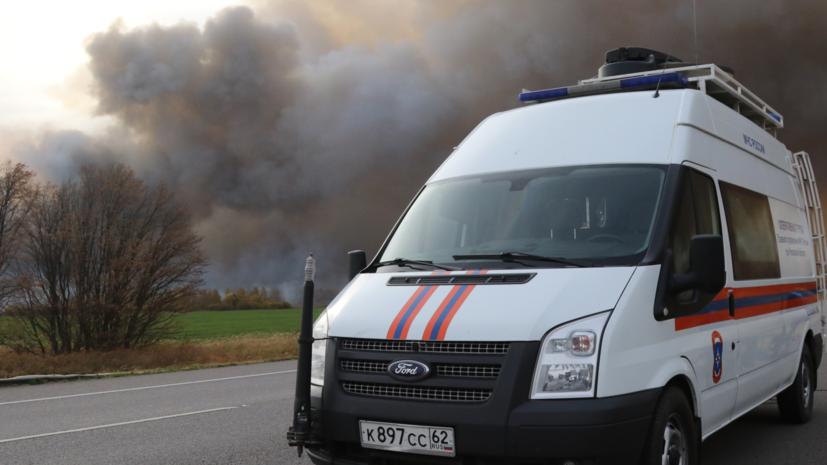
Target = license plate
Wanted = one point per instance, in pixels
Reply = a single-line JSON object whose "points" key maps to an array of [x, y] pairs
{"points": [[430, 440]]}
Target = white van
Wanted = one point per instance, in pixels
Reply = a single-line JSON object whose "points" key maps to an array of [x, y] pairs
{"points": [[600, 277]]}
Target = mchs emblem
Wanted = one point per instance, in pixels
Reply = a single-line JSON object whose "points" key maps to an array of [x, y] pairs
{"points": [[717, 356]]}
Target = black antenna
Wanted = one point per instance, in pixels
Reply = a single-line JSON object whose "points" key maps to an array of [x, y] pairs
{"points": [[695, 22], [668, 55]]}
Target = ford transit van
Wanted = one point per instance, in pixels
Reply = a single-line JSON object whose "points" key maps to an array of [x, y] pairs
{"points": [[607, 275]]}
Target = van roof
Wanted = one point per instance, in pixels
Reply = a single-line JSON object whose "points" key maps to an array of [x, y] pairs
{"points": [[710, 79], [629, 127]]}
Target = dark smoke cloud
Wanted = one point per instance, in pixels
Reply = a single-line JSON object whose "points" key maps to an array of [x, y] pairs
{"points": [[297, 126]]}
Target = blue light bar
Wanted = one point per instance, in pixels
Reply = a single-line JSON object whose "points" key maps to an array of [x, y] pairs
{"points": [[652, 80], [544, 94], [671, 79]]}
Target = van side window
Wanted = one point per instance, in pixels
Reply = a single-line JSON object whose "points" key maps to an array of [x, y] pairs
{"points": [[684, 227], [706, 204], [697, 214], [751, 234]]}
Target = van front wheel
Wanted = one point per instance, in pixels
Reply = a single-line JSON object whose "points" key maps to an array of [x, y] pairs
{"points": [[672, 436], [796, 402]]}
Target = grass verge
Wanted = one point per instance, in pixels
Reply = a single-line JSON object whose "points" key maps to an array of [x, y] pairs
{"points": [[220, 324], [167, 356]]}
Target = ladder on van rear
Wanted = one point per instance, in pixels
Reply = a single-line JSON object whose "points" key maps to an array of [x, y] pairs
{"points": [[809, 191]]}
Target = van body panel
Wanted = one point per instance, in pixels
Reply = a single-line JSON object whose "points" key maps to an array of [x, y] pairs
{"points": [[695, 112], [586, 130], [693, 145], [791, 363], [798, 320], [717, 404], [745, 134], [759, 177], [716, 369], [582, 131], [638, 352], [633, 339], [502, 312], [762, 342], [773, 312], [757, 386], [765, 333]]}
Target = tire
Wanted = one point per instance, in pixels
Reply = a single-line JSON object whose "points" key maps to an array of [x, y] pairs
{"points": [[795, 404], [672, 437]]}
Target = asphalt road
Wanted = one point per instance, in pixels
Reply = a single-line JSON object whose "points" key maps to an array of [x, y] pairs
{"points": [[239, 415]]}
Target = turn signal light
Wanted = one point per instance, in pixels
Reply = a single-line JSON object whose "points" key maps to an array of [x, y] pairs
{"points": [[579, 342], [582, 343]]}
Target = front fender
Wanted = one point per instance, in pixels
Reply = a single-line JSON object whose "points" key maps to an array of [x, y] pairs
{"points": [[676, 368]]}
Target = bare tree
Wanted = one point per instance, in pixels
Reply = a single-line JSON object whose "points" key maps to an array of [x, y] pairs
{"points": [[108, 263], [42, 317], [16, 191]]}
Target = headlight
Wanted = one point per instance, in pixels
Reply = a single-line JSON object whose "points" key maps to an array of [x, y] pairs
{"points": [[319, 349], [567, 365]]}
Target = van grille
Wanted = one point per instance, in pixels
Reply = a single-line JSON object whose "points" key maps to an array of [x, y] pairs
{"points": [[417, 392], [442, 369], [469, 371], [459, 280], [365, 366], [460, 371], [426, 346]]}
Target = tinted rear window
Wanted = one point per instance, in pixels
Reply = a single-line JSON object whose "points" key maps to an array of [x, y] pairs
{"points": [[751, 234]]}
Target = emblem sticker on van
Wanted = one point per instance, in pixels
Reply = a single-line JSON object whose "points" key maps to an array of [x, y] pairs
{"points": [[717, 356]]}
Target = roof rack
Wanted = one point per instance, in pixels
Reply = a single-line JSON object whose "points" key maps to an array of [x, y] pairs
{"points": [[709, 79]]}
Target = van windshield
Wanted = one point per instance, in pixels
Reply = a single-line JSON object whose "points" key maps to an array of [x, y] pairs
{"points": [[603, 214]]}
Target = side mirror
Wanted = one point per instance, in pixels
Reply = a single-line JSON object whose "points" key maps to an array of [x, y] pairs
{"points": [[707, 271], [706, 276], [358, 262]]}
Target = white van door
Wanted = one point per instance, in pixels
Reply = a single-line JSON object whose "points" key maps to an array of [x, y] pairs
{"points": [[709, 335], [801, 307], [760, 295]]}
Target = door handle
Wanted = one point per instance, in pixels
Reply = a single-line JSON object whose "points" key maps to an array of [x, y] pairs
{"points": [[731, 298]]}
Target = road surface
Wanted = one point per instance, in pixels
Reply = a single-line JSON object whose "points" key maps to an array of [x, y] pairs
{"points": [[238, 415]]}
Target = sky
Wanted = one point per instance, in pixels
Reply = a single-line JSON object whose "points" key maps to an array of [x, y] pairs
{"points": [[297, 126], [42, 54]]}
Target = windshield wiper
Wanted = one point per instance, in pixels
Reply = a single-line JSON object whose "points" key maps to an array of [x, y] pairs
{"points": [[517, 256], [406, 262]]}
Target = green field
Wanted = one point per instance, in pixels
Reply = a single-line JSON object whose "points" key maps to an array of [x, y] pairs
{"points": [[211, 325], [221, 324]]}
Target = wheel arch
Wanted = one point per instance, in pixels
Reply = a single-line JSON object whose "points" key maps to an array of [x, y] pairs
{"points": [[809, 339], [687, 386], [683, 383]]}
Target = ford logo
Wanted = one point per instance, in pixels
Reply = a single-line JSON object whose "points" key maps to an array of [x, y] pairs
{"points": [[408, 370]]}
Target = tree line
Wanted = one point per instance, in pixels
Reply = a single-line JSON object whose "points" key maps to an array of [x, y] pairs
{"points": [[254, 298], [239, 299], [98, 262]]}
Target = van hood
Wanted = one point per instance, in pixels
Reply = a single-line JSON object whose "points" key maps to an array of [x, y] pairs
{"points": [[370, 308]]}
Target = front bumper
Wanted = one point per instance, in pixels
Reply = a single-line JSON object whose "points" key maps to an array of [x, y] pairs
{"points": [[508, 428]]}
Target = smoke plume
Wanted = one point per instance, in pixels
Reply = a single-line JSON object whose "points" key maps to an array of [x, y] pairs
{"points": [[291, 126]]}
